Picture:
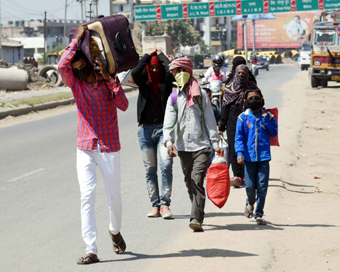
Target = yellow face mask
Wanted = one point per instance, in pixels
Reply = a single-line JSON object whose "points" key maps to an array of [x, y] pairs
{"points": [[182, 78]]}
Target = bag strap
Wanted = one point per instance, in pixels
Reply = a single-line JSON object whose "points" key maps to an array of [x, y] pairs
{"points": [[202, 118], [173, 96]]}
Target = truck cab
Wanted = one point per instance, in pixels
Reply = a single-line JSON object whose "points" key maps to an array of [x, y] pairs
{"points": [[325, 63]]}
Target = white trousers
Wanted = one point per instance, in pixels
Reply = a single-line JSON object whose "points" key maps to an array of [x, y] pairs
{"points": [[109, 164]]}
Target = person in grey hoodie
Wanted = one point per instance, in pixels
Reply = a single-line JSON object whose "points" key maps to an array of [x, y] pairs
{"points": [[189, 107]]}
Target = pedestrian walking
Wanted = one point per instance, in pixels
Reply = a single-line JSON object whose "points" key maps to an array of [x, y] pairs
{"points": [[155, 84], [252, 145], [189, 107], [232, 106], [97, 97]]}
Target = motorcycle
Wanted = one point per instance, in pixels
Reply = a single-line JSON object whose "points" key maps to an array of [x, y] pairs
{"points": [[216, 91], [254, 69]]}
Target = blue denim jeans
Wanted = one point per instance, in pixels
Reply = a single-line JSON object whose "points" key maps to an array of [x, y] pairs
{"points": [[256, 177], [151, 143]]}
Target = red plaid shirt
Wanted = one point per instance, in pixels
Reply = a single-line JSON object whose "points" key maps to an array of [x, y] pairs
{"points": [[97, 106]]}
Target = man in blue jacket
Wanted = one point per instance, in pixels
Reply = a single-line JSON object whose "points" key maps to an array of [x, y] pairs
{"points": [[252, 146]]}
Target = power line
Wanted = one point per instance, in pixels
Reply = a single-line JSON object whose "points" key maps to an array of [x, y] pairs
{"points": [[20, 11]]}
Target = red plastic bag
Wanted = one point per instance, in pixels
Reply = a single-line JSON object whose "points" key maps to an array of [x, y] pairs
{"points": [[274, 141], [218, 182]]}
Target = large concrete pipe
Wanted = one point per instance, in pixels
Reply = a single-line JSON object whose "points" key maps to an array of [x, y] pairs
{"points": [[51, 72], [13, 79]]}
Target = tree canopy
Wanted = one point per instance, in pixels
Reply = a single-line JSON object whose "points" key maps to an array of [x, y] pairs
{"points": [[180, 31]]}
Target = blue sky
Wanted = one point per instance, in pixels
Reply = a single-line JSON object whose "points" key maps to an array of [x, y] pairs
{"points": [[12, 10]]}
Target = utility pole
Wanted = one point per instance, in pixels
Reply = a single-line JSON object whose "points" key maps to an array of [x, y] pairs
{"points": [[90, 12], [65, 24], [85, 9], [245, 37], [45, 34], [254, 49], [96, 3], [82, 10], [0, 33]]}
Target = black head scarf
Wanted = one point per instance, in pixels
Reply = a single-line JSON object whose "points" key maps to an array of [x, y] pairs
{"points": [[234, 90], [236, 62]]}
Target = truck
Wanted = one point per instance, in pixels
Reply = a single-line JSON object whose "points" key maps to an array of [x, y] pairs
{"points": [[325, 59], [305, 55]]}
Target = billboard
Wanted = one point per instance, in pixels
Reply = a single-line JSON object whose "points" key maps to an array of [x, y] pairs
{"points": [[288, 30]]}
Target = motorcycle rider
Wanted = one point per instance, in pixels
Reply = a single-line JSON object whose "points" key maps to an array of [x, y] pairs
{"points": [[217, 62]]}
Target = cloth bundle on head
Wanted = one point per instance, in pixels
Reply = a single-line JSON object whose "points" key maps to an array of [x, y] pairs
{"points": [[193, 86], [155, 76], [234, 90]]}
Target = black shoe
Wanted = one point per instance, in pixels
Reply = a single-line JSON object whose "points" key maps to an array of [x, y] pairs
{"points": [[195, 225]]}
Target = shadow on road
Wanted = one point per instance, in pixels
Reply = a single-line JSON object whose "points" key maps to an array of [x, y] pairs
{"points": [[204, 253], [269, 226], [291, 184], [240, 227], [207, 215], [284, 183]]}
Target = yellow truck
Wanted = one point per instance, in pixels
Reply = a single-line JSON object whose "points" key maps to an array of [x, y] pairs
{"points": [[325, 59]]}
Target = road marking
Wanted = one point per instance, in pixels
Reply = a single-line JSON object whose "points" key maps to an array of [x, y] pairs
{"points": [[26, 175]]}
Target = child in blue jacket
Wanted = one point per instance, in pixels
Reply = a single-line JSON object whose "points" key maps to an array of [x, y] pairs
{"points": [[252, 146]]}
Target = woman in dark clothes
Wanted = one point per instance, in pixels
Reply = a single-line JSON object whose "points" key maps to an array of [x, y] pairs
{"points": [[232, 106]]}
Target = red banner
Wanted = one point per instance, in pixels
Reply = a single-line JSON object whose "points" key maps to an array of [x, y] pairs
{"points": [[211, 9], [185, 11], [293, 5], [265, 6], [158, 12], [238, 7], [288, 30], [321, 4]]}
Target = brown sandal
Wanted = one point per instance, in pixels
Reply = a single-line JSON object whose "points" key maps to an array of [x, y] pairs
{"points": [[88, 259], [120, 246]]}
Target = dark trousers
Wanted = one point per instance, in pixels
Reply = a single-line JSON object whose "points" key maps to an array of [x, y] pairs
{"points": [[238, 170], [194, 165], [256, 184]]}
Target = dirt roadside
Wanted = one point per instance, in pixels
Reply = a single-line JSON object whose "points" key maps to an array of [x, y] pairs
{"points": [[37, 115]]}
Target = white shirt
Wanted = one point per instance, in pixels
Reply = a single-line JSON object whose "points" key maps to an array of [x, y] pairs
{"points": [[208, 74]]}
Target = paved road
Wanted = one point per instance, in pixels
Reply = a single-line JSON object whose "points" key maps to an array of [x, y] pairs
{"points": [[39, 215]]}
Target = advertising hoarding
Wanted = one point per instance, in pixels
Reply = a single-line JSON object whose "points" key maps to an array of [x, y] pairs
{"points": [[288, 30]]}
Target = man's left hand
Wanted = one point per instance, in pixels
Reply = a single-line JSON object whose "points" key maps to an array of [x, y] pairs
{"points": [[219, 150], [103, 70]]}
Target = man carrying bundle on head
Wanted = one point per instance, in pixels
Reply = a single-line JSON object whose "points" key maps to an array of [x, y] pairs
{"points": [[97, 97]]}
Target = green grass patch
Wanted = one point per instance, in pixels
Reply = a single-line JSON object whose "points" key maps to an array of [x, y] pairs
{"points": [[37, 100]]}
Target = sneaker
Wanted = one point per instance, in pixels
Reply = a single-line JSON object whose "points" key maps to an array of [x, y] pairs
{"points": [[165, 212], [195, 225], [154, 212]]}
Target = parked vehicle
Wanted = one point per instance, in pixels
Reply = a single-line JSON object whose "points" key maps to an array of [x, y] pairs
{"points": [[263, 63], [305, 55], [325, 64]]}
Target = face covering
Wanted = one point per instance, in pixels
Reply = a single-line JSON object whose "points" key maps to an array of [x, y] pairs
{"points": [[182, 78], [84, 72], [254, 103]]}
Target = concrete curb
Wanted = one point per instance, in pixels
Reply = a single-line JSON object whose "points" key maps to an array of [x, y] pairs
{"points": [[45, 106]]}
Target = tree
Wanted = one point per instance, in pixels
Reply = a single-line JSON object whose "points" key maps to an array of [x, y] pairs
{"points": [[180, 31]]}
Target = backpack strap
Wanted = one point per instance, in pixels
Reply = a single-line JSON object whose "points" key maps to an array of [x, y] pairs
{"points": [[173, 97], [202, 118]]}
